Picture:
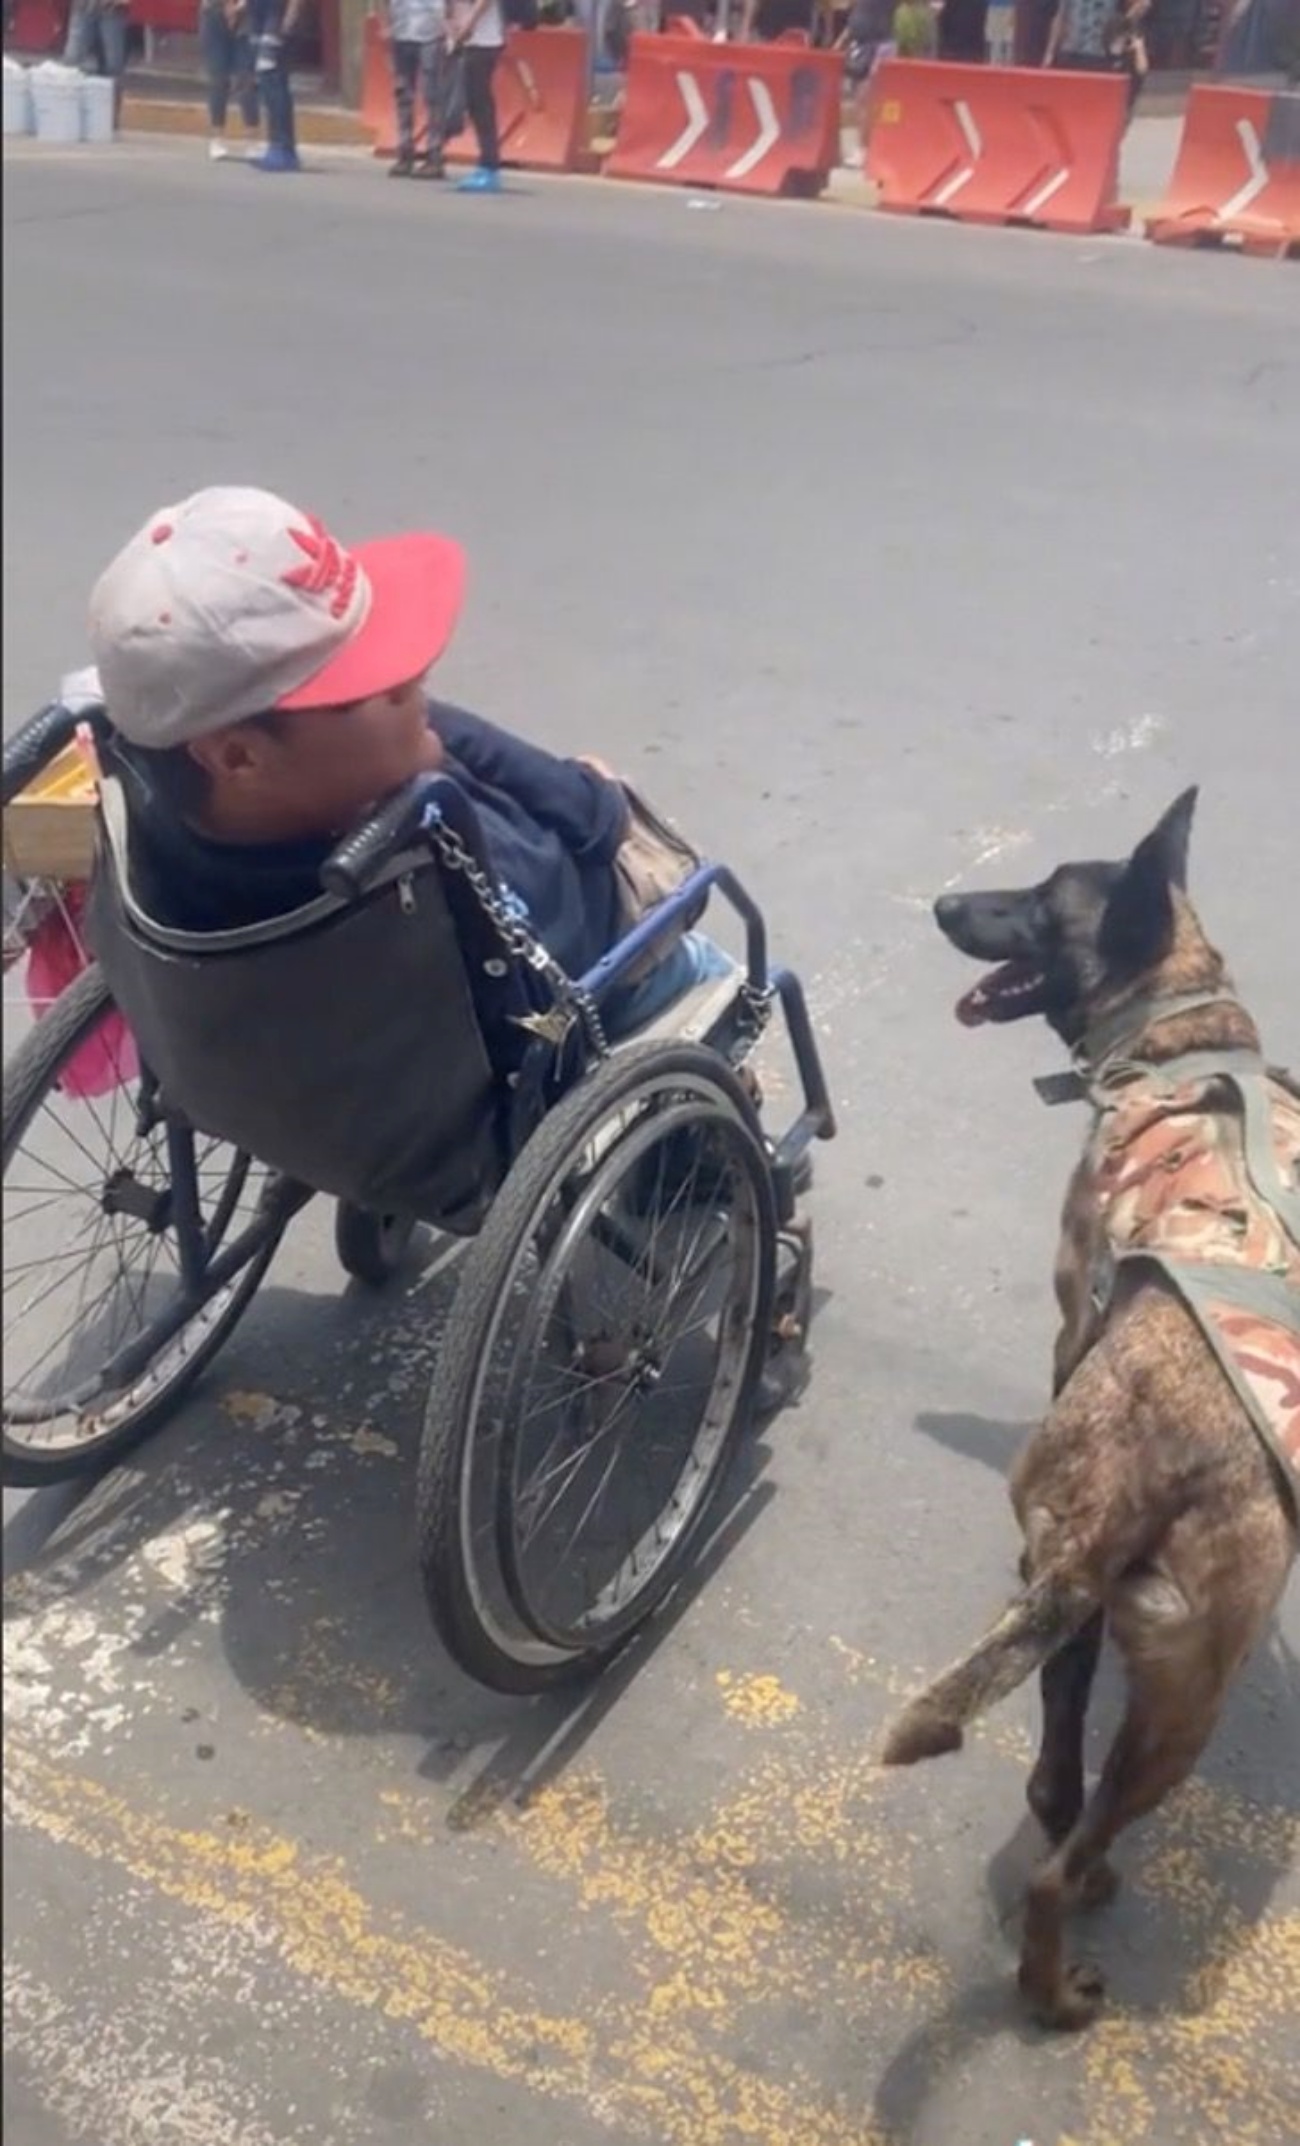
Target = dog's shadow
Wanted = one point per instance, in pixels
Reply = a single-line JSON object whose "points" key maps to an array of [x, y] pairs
{"points": [[1200, 1874]]}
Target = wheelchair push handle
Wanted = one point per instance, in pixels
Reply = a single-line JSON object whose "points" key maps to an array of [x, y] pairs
{"points": [[41, 738], [44, 735], [357, 861]]}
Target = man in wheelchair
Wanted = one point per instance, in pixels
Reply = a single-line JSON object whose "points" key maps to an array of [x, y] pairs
{"points": [[409, 1009], [266, 688]]}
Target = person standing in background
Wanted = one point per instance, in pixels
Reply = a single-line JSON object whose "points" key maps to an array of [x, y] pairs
{"points": [[417, 30], [228, 58], [868, 38], [916, 30], [1126, 45], [271, 23], [1077, 37], [963, 31], [97, 32], [478, 32]]}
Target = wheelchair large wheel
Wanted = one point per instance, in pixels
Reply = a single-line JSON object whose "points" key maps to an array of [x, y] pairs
{"points": [[598, 1368], [90, 1250]]}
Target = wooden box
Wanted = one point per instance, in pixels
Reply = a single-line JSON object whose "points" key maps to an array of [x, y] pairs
{"points": [[49, 829]]}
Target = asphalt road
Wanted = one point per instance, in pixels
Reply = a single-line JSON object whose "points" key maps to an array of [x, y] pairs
{"points": [[890, 556]]}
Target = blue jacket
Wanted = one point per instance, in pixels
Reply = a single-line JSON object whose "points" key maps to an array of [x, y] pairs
{"points": [[550, 827]]}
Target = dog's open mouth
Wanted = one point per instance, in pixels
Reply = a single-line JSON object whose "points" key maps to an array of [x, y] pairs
{"points": [[1007, 993]]}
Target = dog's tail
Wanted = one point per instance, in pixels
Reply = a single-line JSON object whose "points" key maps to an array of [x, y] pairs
{"points": [[1047, 1613]]}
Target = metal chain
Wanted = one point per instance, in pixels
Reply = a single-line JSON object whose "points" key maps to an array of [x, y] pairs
{"points": [[516, 937], [756, 1011]]}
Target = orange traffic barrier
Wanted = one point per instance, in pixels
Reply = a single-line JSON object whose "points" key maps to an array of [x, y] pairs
{"points": [[753, 119], [1237, 175], [999, 145], [541, 94]]}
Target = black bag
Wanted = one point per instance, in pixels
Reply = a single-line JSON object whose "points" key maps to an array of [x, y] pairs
{"points": [[341, 1045]]}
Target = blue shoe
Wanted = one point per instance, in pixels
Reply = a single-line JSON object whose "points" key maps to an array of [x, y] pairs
{"points": [[275, 159], [479, 181]]}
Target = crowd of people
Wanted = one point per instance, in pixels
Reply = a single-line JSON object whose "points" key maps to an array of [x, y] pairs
{"points": [[1092, 36], [445, 54], [444, 57]]}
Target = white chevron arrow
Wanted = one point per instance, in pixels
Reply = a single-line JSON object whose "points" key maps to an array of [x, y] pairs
{"points": [[769, 129], [1045, 192], [1259, 172], [697, 119], [966, 121]]}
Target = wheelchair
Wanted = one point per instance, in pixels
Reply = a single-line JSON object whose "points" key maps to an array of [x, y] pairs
{"points": [[636, 1273]]}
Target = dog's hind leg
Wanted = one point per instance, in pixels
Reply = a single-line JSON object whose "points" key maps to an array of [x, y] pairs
{"points": [[1054, 1791], [1172, 1707]]}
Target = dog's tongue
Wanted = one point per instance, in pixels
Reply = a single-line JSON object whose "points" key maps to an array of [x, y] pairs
{"points": [[973, 1007]]}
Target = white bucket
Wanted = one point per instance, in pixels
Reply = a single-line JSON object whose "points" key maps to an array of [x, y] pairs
{"points": [[18, 99], [96, 108], [56, 102]]}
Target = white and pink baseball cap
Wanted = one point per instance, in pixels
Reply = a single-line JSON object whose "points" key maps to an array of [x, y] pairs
{"points": [[234, 603]]}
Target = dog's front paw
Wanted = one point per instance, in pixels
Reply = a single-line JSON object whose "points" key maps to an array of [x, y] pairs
{"points": [[1072, 2003]]}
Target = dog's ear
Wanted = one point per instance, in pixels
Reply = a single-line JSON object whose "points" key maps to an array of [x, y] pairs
{"points": [[1138, 927], [1171, 838]]}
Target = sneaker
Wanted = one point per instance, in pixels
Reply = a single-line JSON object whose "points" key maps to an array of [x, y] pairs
{"points": [[431, 167], [274, 159], [479, 181], [403, 168], [217, 151]]}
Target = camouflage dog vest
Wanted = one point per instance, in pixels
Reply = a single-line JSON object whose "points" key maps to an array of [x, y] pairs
{"points": [[1196, 1167]]}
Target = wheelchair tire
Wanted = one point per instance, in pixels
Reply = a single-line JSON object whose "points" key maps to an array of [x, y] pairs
{"points": [[30, 1079], [576, 1201], [371, 1248]]}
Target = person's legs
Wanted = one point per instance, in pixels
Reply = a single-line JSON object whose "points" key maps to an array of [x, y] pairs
{"points": [[271, 67], [215, 42], [112, 29], [284, 90], [1137, 74], [693, 960], [406, 69], [433, 78], [480, 66], [81, 35], [241, 67]]}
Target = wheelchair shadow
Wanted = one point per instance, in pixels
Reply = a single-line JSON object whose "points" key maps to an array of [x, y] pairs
{"points": [[1202, 1881], [285, 1525]]}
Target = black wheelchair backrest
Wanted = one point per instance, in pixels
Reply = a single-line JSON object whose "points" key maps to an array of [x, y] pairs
{"points": [[339, 1044]]}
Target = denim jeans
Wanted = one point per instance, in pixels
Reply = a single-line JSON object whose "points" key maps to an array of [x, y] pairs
{"points": [[422, 67], [271, 68], [99, 33], [228, 58], [480, 64], [694, 960]]}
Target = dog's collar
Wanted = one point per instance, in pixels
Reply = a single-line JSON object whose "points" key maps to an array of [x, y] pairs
{"points": [[1105, 1040]]}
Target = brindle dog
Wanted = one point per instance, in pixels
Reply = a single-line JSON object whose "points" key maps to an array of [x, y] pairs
{"points": [[1149, 1504]]}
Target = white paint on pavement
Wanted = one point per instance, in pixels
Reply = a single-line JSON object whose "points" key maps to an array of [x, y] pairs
{"points": [[1135, 737], [112, 2078]]}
